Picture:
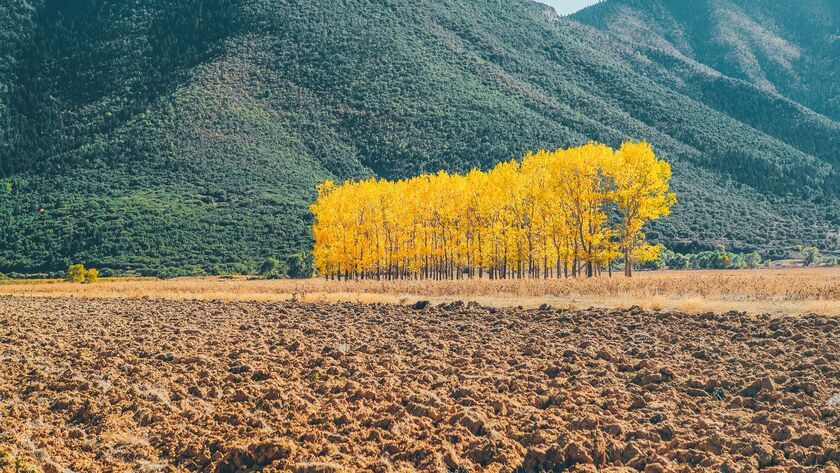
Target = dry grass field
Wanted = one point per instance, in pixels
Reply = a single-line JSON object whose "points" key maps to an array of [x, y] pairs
{"points": [[775, 291]]}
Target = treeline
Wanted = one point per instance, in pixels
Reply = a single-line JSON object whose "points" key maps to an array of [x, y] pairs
{"points": [[295, 266], [720, 258], [716, 259], [563, 213]]}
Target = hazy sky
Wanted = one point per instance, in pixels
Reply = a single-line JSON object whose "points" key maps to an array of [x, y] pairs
{"points": [[564, 7]]}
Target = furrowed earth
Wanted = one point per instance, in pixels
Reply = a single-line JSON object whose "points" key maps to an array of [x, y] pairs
{"points": [[154, 385]]}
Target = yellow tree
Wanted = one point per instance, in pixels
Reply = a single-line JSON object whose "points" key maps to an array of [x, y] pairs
{"points": [[500, 179], [474, 221], [517, 220], [557, 211], [536, 197], [581, 190], [334, 216], [640, 193]]}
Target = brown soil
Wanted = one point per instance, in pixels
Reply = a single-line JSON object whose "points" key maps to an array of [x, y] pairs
{"points": [[148, 385]]}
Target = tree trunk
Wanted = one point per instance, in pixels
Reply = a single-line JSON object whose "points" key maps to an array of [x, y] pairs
{"points": [[628, 265]]}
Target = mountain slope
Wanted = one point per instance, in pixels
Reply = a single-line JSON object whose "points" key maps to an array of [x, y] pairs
{"points": [[652, 36], [788, 48], [178, 138]]}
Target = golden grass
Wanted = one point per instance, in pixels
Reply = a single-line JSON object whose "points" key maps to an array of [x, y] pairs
{"points": [[789, 290]]}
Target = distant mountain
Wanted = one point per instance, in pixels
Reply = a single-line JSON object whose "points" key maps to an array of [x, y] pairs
{"points": [[783, 47], [182, 137]]}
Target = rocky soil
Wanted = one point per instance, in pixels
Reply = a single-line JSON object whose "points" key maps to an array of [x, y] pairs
{"points": [[145, 385]]}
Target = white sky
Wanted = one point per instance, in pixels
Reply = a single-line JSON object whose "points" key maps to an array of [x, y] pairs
{"points": [[566, 7]]}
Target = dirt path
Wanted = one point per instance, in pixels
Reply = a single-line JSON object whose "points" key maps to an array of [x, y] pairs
{"points": [[144, 385]]}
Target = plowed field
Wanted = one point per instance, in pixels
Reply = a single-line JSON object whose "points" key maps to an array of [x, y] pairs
{"points": [[147, 385]]}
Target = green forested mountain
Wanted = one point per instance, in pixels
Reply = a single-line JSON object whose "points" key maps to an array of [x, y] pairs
{"points": [[719, 52], [187, 136], [788, 48]]}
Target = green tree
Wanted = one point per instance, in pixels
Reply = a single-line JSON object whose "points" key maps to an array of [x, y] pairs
{"points": [[812, 256], [753, 259], [737, 261], [300, 266], [272, 268], [679, 261]]}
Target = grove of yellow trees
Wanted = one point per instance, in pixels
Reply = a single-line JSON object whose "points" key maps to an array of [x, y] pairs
{"points": [[564, 213]]}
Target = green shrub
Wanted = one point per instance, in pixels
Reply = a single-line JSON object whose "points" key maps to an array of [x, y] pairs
{"points": [[714, 259], [811, 256], [272, 268], [753, 259], [300, 266]]}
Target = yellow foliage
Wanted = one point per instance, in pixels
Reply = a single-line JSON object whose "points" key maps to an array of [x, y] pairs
{"points": [[554, 213], [91, 275], [78, 274]]}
